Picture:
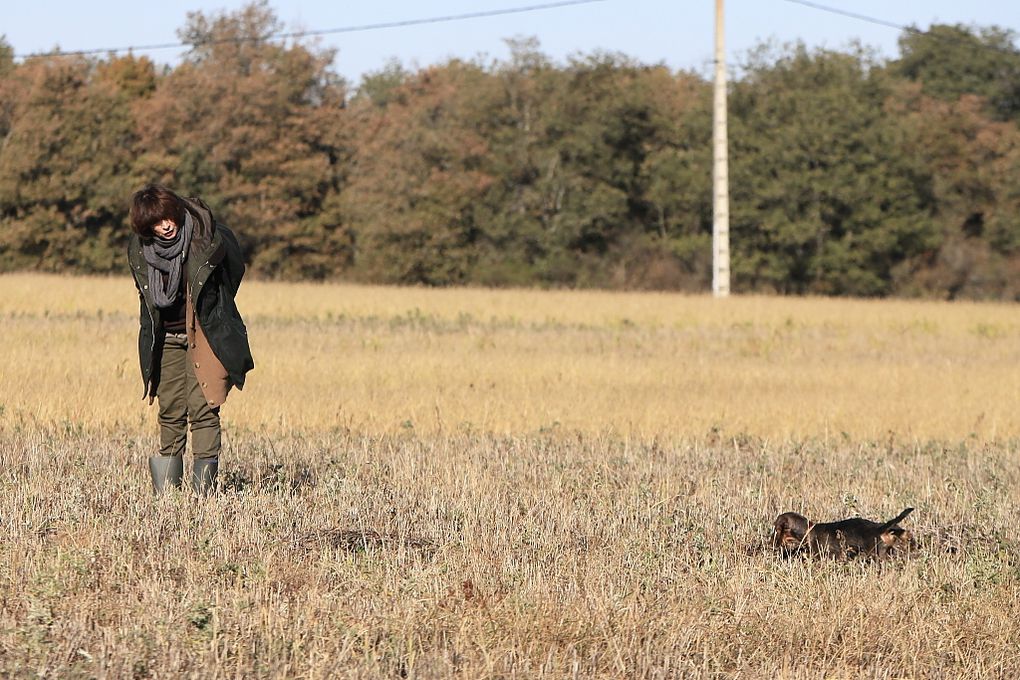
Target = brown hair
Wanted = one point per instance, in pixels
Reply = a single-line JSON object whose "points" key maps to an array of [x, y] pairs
{"points": [[152, 204]]}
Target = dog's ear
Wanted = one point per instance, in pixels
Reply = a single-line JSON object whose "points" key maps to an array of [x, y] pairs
{"points": [[790, 540], [784, 537]]}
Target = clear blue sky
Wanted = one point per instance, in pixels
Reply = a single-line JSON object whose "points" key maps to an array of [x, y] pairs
{"points": [[678, 33]]}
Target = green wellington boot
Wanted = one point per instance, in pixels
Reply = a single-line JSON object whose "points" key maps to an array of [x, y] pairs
{"points": [[203, 475], [166, 471]]}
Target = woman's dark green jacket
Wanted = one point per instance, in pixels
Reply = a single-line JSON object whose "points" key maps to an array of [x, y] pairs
{"points": [[214, 269]]}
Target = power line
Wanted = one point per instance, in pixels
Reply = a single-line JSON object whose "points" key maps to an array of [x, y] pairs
{"points": [[326, 31], [901, 27], [855, 15]]}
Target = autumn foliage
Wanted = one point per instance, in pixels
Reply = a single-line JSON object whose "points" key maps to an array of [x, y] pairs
{"points": [[849, 175]]}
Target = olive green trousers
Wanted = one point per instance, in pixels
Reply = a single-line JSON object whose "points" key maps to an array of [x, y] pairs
{"points": [[181, 400]]}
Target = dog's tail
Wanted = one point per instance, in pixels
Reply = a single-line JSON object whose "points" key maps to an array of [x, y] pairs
{"points": [[896, 519]]}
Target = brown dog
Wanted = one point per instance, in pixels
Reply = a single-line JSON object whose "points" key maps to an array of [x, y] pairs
{"points": [[846, 539]]}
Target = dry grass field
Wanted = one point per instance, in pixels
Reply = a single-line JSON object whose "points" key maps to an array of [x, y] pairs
{"points": [[429, 483]]}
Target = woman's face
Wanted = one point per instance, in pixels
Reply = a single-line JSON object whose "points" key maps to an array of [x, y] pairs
{"points": [[166, 229]]}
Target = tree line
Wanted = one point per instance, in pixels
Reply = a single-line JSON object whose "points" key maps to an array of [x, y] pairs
{"points": [[850, 174]]}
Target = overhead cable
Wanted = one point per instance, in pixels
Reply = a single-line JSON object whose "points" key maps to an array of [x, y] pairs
{"points": [[901, 27], [326, 31]]}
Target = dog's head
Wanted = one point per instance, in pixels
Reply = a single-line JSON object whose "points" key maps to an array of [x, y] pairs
{"points": [[789, 532], [895, 539]]}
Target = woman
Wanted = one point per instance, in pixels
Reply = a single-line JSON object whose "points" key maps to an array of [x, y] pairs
{"points": [[192, 346]]}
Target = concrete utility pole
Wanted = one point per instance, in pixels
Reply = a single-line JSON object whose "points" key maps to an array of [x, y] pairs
{"points": [[720, 170]]}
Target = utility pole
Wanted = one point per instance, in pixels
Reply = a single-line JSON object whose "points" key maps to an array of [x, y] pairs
{"points": [[720, 170]]}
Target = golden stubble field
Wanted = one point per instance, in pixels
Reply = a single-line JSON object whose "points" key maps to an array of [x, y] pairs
{"points": [[425, 483]]}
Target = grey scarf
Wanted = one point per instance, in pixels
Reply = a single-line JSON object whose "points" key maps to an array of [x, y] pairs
{"points": [[166, 256]]}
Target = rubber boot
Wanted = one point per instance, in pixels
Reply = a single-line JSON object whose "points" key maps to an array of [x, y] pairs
{"points": [[203, 475], [166, 471]]}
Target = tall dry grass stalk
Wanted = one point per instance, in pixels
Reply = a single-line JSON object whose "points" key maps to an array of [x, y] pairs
{"points": [[513, 484]]}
